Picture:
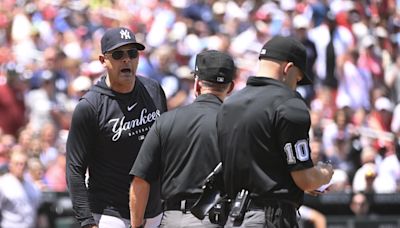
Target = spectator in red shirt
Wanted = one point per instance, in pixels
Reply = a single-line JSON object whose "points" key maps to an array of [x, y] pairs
{"points": [[12, 108]]}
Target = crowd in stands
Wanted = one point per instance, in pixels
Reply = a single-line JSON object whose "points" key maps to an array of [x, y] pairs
{"points": [[49, 58]]}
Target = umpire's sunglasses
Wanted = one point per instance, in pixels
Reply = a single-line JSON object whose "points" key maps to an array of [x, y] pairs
{"points": [[119, 54]]}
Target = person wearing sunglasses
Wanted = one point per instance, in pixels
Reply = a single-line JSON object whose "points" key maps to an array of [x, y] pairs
{"points": [[107, 130]]}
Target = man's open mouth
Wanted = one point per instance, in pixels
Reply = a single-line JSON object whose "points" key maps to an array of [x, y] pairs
{"points": [[126, 70]]}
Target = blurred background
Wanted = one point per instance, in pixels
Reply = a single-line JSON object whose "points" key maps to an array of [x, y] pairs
{"points": [[49, 57]]}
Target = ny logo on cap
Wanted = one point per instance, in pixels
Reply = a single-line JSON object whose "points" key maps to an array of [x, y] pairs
{"points": [[263, 51], [220, 79], [125, 34]]}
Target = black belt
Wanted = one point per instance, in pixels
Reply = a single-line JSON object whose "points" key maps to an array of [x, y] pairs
{"points": [[179, 205], [262, 204]]}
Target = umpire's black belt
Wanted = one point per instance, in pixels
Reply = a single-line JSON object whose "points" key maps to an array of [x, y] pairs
{"points": [[183, 205], [262, 204]]}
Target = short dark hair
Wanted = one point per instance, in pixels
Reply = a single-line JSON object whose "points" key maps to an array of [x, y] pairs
{"points": [[218, 87]]}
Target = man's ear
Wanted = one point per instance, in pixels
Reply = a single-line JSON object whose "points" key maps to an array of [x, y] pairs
{"points": [[231, 86], [101, 59], [197, 87], [287, 67]]}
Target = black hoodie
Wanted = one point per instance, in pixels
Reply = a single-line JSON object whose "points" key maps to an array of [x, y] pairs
{"points": [[107, 131]]}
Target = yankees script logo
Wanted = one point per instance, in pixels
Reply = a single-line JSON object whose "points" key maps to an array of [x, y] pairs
{"points": [[119, 124]]}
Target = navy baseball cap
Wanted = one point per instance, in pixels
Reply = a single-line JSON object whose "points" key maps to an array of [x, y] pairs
{"points": [[116, 37], [215, 66], [287, 49]]}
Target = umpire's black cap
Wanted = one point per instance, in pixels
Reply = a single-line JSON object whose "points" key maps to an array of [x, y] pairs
{"points": [[215, 66], [116, 37], [287, 49]]}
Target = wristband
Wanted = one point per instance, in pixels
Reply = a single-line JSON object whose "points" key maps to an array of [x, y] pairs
{"points": [[141, 226]]}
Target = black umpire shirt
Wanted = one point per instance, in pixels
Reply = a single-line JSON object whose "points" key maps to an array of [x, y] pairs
{"points": [[181, 148], [263, 136]]}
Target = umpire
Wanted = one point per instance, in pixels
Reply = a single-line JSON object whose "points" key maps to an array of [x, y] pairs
{"points": [[264, 142], [181, 148]]}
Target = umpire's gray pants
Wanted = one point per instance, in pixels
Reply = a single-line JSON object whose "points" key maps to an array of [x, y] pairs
{"points": [[271, 218], [179, 219], [251, 219]]}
